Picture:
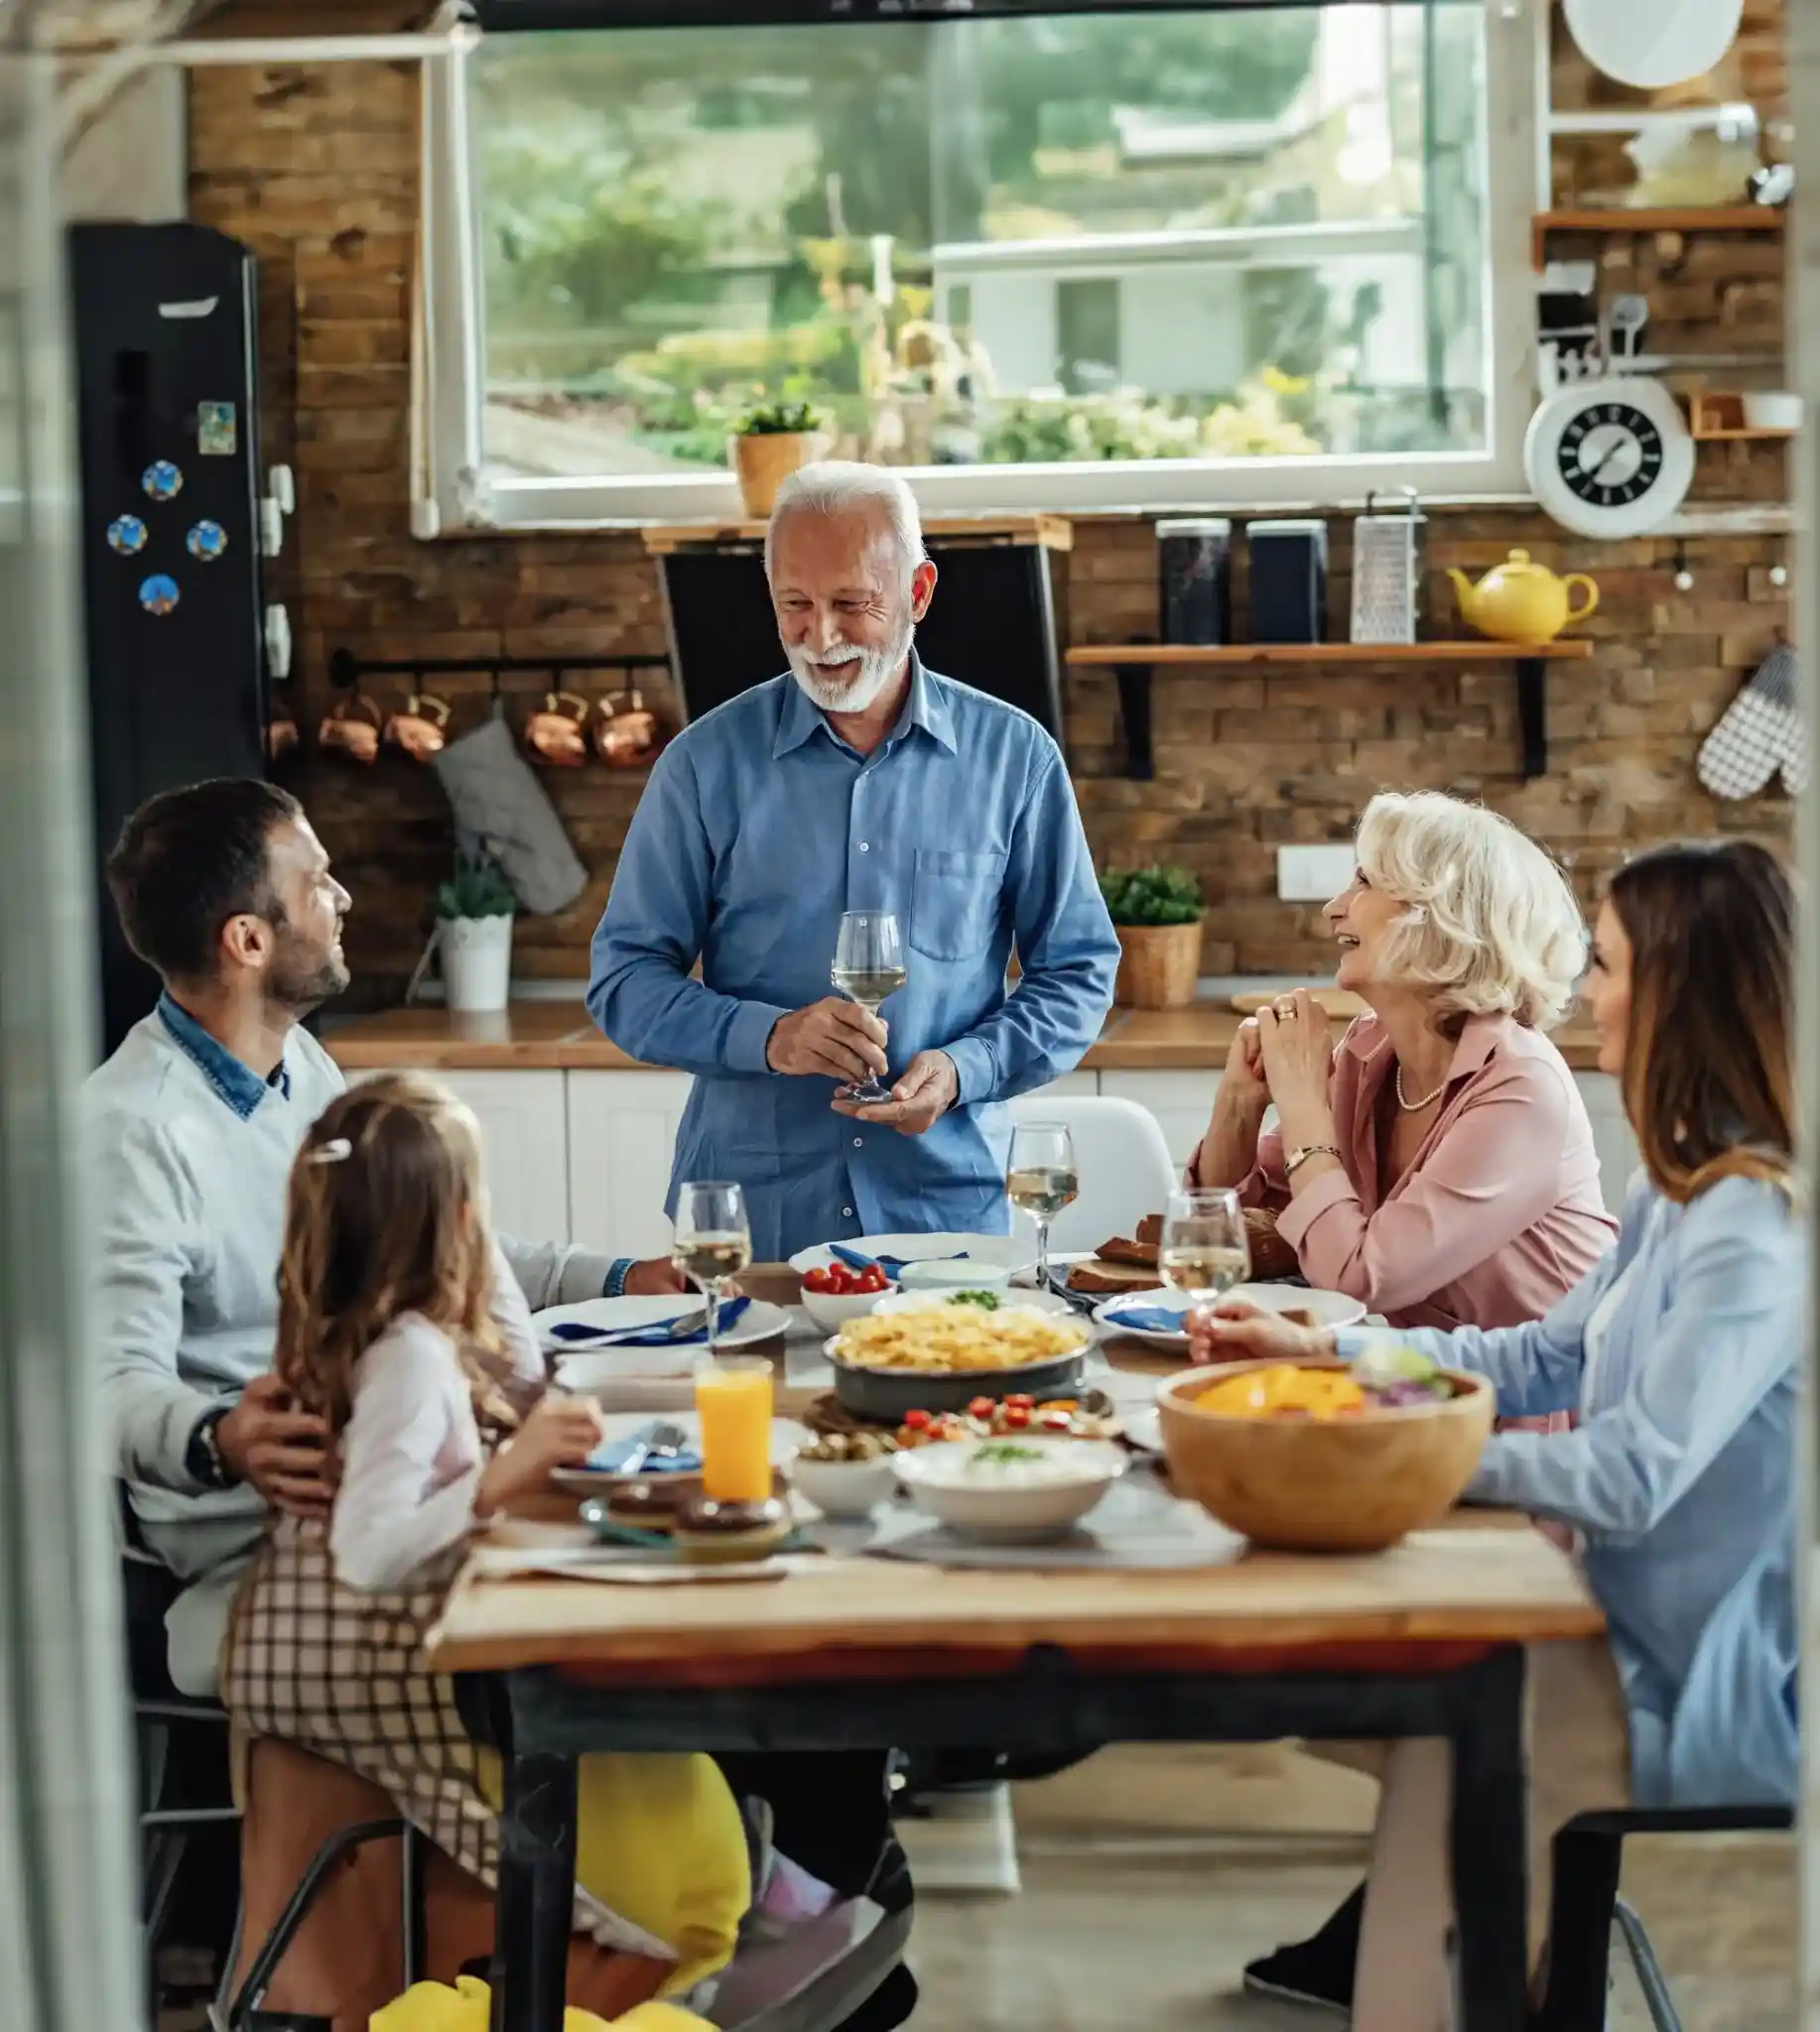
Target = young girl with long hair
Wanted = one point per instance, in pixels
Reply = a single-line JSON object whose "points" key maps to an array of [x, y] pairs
{"points": [[400, 1325]]}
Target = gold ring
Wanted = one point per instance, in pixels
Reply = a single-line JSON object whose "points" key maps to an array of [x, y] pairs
{"points": [[1285, 1011]]}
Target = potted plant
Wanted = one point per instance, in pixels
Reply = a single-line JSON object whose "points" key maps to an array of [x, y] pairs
{"points": [[1156, 911], [768, 443], [475, 909]]}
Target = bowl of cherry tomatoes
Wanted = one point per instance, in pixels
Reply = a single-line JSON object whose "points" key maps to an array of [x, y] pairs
{"points": [[837, 1294]]}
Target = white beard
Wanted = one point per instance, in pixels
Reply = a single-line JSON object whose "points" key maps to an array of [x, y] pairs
{"points": [[853, 683]]}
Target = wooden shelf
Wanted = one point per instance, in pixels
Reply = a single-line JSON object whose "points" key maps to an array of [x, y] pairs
{"points": [[1052, 531], [1480, 650], [1710, 218], [1720, 420], [1136, 663]]}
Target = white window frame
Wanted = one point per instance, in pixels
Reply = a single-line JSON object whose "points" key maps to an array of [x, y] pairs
{"points": [[456, 495]]}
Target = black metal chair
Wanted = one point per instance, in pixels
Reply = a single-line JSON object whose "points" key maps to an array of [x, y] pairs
{"points": [[1589, 1863], [180, 1747], [818, 1974]]}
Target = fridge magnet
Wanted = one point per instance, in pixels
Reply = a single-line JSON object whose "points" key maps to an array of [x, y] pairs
{"points": [[205, 541], [217, 431], [162, 480], [158, 595], [126, 534]]}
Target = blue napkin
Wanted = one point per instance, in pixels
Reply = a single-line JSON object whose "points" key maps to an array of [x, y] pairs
{"points": [[611, 1457], [892, 1266], [657, 1334], [1149, 1319]]}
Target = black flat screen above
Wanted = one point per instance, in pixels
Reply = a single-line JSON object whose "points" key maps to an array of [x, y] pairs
{"points": [[991, 625]]}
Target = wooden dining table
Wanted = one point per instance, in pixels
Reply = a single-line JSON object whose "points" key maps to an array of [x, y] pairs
{"points": [[853, 1653]]}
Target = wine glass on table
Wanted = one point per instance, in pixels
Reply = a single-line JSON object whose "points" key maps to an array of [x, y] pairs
{"points": [[1204, 1250], [868, 969], [712, 1242], [1041, 1179]]}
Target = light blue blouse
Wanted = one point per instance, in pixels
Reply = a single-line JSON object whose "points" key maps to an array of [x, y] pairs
{"points": [[1680, 1476]]}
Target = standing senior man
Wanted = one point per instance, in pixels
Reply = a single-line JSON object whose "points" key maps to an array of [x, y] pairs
{"points": [[861, 780]]}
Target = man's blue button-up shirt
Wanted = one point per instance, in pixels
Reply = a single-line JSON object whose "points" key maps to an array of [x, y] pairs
{"points": [[759, 826]]}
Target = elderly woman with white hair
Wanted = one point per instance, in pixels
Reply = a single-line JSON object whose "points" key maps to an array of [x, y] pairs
{"points": [[1438, 1165]]}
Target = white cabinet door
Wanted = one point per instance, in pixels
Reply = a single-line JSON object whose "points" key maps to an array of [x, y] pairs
{"points": [[622, 1139], [1612, 1136], [524, 1135], [1180, 1101]]}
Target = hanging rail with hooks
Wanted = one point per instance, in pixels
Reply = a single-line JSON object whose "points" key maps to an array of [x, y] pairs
{"points": [[347, 671]]}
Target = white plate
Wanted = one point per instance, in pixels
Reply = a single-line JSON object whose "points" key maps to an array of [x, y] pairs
{"points": [[788, 1438], [1330, 1308], [1170, 1301], [910, 1248], [759, 1321]]}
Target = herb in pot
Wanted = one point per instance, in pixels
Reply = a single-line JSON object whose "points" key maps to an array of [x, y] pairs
{"points": [[779, 419], [1158, 895], [478, 888]]}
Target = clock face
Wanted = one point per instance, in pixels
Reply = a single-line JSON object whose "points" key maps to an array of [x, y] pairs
{"points": [[1609, 456]]}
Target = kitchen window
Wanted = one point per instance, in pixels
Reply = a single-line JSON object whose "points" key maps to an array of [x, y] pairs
{"points": [[1062, 258]]}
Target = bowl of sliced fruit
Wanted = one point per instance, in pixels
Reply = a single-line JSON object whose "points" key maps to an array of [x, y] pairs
{"points": [[1326, 1456]]}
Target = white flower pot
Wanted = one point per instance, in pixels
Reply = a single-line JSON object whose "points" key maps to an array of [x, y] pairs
{"points": [[477, 963]]}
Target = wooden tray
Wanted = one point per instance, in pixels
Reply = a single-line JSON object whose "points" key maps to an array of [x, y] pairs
{"points": [[1340, 1004]]}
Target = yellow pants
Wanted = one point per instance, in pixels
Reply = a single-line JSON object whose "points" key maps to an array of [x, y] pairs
{"points": [[429, 2007], [661, 1843]]}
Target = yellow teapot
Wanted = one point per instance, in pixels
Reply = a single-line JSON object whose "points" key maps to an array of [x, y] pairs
{"points": [[1521, 602]]}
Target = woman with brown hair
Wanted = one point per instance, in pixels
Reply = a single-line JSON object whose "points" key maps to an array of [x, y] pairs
{"points": [[1680, 1352]]}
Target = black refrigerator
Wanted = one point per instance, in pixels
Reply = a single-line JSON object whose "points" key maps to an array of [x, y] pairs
{"points": [[172, 523]]}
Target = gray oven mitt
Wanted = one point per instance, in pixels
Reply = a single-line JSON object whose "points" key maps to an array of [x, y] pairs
{"points": [[504, 811]]}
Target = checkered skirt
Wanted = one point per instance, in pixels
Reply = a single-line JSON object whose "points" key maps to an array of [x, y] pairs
{"points": [[345, 1676]]}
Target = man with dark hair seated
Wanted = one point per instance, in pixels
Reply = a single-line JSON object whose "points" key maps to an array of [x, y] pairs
{"points": [[195, 1122], [225, 891]]}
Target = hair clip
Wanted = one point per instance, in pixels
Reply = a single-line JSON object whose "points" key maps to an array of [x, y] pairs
{"points": [[333, 1152]]}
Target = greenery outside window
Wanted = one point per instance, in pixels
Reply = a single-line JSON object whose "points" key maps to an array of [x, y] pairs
{"points": [[1232, 254]]}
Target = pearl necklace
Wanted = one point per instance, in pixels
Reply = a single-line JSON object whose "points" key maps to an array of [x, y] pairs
{"points": [[1415, 1108]]}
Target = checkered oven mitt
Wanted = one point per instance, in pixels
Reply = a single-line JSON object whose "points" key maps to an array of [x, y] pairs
{"points": [[1758, 733]]}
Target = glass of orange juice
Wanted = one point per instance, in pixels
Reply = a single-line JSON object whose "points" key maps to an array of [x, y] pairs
{"points": [[732, 1397]]}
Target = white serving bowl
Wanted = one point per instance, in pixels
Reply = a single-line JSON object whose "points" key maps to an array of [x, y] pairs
{"points": [[1009, 1514], [1772, 410], [831, 1311], [932, 1279], [845, 1489]]}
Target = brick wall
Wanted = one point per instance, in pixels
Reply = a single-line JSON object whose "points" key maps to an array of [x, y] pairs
{"points": [[316, 169]]}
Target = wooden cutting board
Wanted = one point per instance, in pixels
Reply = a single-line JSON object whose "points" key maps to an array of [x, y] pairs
{"points": [[1340, 1004]]}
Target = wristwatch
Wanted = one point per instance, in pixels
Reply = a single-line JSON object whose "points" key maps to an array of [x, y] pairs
{"points": [[203, 1457], [1297, 1157]]}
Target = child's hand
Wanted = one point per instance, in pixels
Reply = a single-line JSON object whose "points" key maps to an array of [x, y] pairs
{"points": [[560, 1432]]}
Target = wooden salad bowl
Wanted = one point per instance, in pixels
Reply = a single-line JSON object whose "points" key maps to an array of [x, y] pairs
{"points": [[1303, 1484]]}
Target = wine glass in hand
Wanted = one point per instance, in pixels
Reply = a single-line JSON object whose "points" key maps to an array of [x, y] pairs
{"points": [[1204, 1250], [1041, 1180], [868, 968], [712, 1244]]}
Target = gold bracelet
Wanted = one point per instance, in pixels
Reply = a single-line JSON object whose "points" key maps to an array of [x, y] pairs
{"points": [[1297, 1157]]}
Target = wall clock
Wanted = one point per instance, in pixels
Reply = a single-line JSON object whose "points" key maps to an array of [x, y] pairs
{"points": [[1611, 459]]}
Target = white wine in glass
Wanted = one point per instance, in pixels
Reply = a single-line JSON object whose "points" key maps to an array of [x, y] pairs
{"points": [[712, 1242], [1204, 1250], [1041, 1180], [868, 969]]}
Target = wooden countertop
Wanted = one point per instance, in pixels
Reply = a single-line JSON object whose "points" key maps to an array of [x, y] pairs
{"points": [[558, 1035]]}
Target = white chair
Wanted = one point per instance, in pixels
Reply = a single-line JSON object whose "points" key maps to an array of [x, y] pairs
{"points": [[1125, 1171]]}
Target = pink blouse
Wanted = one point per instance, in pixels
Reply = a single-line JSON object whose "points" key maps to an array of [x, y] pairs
{"points": [[1498, 1217]]}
